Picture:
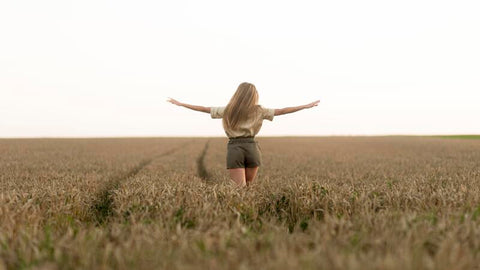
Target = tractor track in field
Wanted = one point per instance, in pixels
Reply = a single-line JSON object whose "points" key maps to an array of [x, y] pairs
{"points": [[102, 207], [201, 168]]}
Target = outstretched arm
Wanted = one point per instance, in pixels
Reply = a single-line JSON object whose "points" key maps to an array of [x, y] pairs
{"points": [[193, 107], [295, 109]]}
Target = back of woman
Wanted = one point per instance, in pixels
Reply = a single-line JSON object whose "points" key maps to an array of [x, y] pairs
{"points": [[243, 117]]}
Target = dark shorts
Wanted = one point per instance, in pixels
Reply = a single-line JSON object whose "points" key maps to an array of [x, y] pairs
{"points": [[243, 152]]}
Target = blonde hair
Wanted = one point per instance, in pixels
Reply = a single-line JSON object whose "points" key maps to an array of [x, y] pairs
{"points": [[242, 105]]}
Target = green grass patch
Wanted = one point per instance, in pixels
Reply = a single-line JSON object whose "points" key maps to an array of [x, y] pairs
{"points": [[473, 137]]}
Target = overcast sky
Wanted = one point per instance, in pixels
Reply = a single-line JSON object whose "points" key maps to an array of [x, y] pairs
{"points": [[105, 68]]}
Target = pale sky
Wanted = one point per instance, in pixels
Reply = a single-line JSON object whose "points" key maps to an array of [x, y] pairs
{"points": [[105, 68]]}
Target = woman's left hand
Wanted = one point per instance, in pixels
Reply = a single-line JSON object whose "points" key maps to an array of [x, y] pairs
{"points": [[173, 101]]}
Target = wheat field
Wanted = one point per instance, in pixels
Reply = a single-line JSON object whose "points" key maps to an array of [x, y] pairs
{"points": [[393, 202]]}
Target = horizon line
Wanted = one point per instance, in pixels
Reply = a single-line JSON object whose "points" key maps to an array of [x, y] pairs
{"points": [[216, 136]]}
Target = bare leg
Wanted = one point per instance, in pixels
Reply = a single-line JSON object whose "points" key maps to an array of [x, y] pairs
{"points": [[250, 174], [238, 176]]}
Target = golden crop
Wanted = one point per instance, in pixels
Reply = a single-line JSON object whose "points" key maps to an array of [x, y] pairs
{"points": [[167, 203]]}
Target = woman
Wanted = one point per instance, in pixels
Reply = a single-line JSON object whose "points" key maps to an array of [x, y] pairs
{"points": [[242, 120]]}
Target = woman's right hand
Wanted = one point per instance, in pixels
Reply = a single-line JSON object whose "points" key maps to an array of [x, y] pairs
{"points": [[313, 104]]}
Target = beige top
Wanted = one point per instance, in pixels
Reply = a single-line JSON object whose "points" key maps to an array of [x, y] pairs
{"points": [[248, 128]]}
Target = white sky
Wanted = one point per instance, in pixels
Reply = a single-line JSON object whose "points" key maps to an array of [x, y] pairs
{"points": [[105, 68]]}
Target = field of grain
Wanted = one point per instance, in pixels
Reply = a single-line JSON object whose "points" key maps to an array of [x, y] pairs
{"points": [[167, 203]]}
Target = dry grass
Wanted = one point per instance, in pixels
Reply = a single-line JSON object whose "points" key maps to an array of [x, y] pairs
{"points": [[319, 203]]}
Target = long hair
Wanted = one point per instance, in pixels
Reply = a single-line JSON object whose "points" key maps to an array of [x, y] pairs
{"points": [[242, 105]]}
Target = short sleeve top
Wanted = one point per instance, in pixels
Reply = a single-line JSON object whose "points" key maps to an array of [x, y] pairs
{"points": [[248, 128]]}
